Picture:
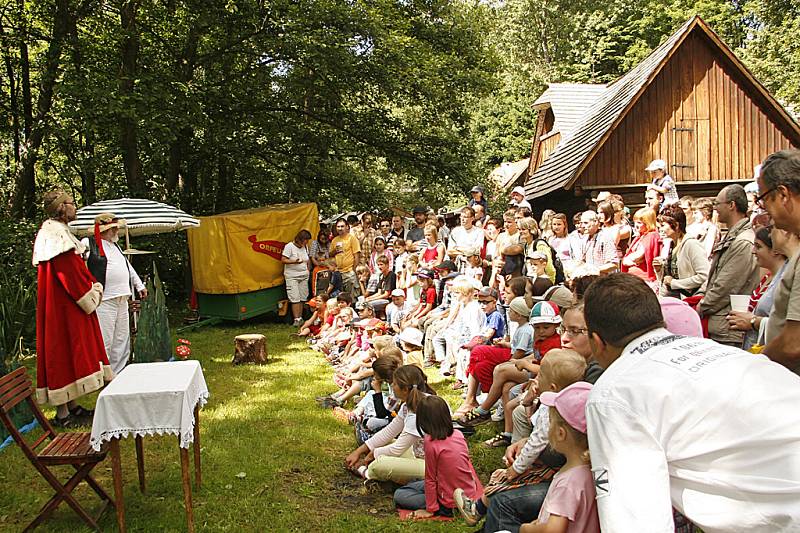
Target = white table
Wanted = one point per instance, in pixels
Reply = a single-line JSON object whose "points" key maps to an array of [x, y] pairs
{"points": [[152, 399]]}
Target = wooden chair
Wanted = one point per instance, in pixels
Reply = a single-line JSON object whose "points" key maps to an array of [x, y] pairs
{"points": [[62, 449]]}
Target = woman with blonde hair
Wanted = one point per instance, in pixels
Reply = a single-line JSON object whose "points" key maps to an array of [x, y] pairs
{"points": [[531, 241], [703, 228], [545, 224], [461, 328], [638, 260]]}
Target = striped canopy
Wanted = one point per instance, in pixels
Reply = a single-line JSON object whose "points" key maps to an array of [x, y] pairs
{"points": [[143, 217]]}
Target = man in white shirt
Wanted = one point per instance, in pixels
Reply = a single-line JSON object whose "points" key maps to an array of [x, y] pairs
{"points": [[686, 422], [466, 236], [111, 268]]}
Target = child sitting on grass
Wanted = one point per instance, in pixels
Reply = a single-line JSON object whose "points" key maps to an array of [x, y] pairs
{"points": [[447, 465], [570, 504], [374, 411], [312, 326], [545, 319], [560, 369], [411, 343], [396, 452]]}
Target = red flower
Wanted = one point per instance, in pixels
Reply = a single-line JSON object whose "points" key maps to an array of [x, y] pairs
{"points": [[183, 351]]}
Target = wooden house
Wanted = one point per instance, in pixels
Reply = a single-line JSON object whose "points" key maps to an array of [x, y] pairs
{"points": [[691, 102]]}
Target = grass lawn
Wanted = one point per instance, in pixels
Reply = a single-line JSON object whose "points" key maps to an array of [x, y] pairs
{"points": [[261, 421]]}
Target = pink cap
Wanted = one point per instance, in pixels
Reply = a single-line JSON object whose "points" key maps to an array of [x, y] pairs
{"points": [[680, 318], [570, 403]]}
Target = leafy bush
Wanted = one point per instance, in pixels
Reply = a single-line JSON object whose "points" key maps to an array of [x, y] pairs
{"points": [[17, 291]]}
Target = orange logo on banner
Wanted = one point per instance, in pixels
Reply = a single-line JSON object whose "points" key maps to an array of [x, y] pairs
{"points": [[271, 248]]}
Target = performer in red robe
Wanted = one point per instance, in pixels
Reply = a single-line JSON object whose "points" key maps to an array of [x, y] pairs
{"points": [[71, 356]]}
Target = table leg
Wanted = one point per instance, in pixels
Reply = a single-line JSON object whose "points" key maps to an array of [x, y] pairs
{"points": [[187, 488], [196, 447], [140, 462], [116, 469]]}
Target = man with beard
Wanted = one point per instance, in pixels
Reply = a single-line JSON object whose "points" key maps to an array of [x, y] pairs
{"points": [[112, 270], [70, 357]]}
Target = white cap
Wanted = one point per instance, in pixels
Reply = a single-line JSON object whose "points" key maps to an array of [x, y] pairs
{"points": [[519, 189], [657, 164], [601, 196], [398, 292]]}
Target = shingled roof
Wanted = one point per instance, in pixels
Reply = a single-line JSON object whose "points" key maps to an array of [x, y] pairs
{"points": [[600, 118], [569, 102]]}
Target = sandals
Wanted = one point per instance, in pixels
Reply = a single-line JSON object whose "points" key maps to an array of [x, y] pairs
{"points": [[458, 385], [498, 441]]}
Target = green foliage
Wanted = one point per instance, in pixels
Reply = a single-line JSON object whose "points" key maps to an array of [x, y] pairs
{"points": [[153, 342], [17, 292]]}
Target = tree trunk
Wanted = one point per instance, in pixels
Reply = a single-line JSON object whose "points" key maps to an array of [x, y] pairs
{"points": [[85, 142], [250, 348], [24, 200], [13, 103], [127, 121]]}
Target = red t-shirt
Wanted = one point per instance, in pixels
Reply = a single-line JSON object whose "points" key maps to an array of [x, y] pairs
{"points": [[428, 297], [542, 346]]}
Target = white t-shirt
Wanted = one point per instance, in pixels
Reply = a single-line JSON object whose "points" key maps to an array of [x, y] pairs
{"points": [[296, 270], [462, 238], [709, 429], [119, 273]]}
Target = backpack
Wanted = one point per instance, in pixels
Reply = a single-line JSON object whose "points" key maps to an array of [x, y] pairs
{"points": [[557, 264]]}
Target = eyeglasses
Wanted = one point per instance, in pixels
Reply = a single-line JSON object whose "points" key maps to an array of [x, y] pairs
{"points": [[760, 198], [485, 302], [572, 332]]}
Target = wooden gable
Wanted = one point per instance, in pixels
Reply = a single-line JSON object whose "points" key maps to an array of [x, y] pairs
{"points": [[691, 103], [701, 115]]}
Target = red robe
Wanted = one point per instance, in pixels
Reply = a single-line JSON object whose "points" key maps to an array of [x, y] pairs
{"points": [[71, 357]]}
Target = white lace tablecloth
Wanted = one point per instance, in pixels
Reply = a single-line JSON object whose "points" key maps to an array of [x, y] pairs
{"points": [[150, 399]]}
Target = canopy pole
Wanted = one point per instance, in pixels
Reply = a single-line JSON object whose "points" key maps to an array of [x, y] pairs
{"points": [[127, 238]]}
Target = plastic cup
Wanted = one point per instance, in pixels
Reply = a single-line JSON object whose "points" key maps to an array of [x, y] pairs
{"points": [[740, 302]]}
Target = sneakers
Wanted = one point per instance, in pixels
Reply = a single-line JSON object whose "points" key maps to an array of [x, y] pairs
{"points": [[499, 414], [474, 418], [467, 507], [298, 322], [498, 441]]}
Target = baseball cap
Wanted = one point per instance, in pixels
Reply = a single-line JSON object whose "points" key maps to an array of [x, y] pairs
{"points": [[419, 209], [656, 164], [449, 265], [488, 292], [519, 189], [680, 318], [476, 188], [425, 273], [537, 255], [398, 292], [570, 403], [558, 294], [545, 313], [519, 306]]}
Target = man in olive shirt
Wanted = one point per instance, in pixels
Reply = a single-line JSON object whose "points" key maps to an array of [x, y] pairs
{"points": [[347, 252], [779, 188]]}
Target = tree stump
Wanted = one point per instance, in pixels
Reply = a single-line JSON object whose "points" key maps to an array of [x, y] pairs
{"points": [[250, 348]]}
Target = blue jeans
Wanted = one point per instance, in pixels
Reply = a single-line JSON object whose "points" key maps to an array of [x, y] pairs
{"points": [[512, 508], [412, 496]]}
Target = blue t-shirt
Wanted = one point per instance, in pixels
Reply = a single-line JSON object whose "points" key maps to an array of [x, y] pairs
{"points": [[523, 339], [494, 320]]}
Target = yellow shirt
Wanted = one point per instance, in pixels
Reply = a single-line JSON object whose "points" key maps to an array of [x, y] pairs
{"points": [[345, 261], [414, 358]]}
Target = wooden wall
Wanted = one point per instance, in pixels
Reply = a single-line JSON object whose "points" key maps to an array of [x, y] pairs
{"points": [[699, 115]]}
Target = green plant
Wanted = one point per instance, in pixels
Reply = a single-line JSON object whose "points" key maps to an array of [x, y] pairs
{"points": [[17, 318], [153, 342]]}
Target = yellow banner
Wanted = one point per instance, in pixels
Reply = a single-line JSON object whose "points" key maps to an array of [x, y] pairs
{"points": [[240, 251]]}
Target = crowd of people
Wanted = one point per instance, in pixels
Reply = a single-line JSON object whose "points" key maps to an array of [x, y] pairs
{"points": [[630, 394], [642, 368]]}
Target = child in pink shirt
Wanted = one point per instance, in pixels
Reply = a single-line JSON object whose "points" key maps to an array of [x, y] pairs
{"points": [[570, 505], [447, 465]]}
